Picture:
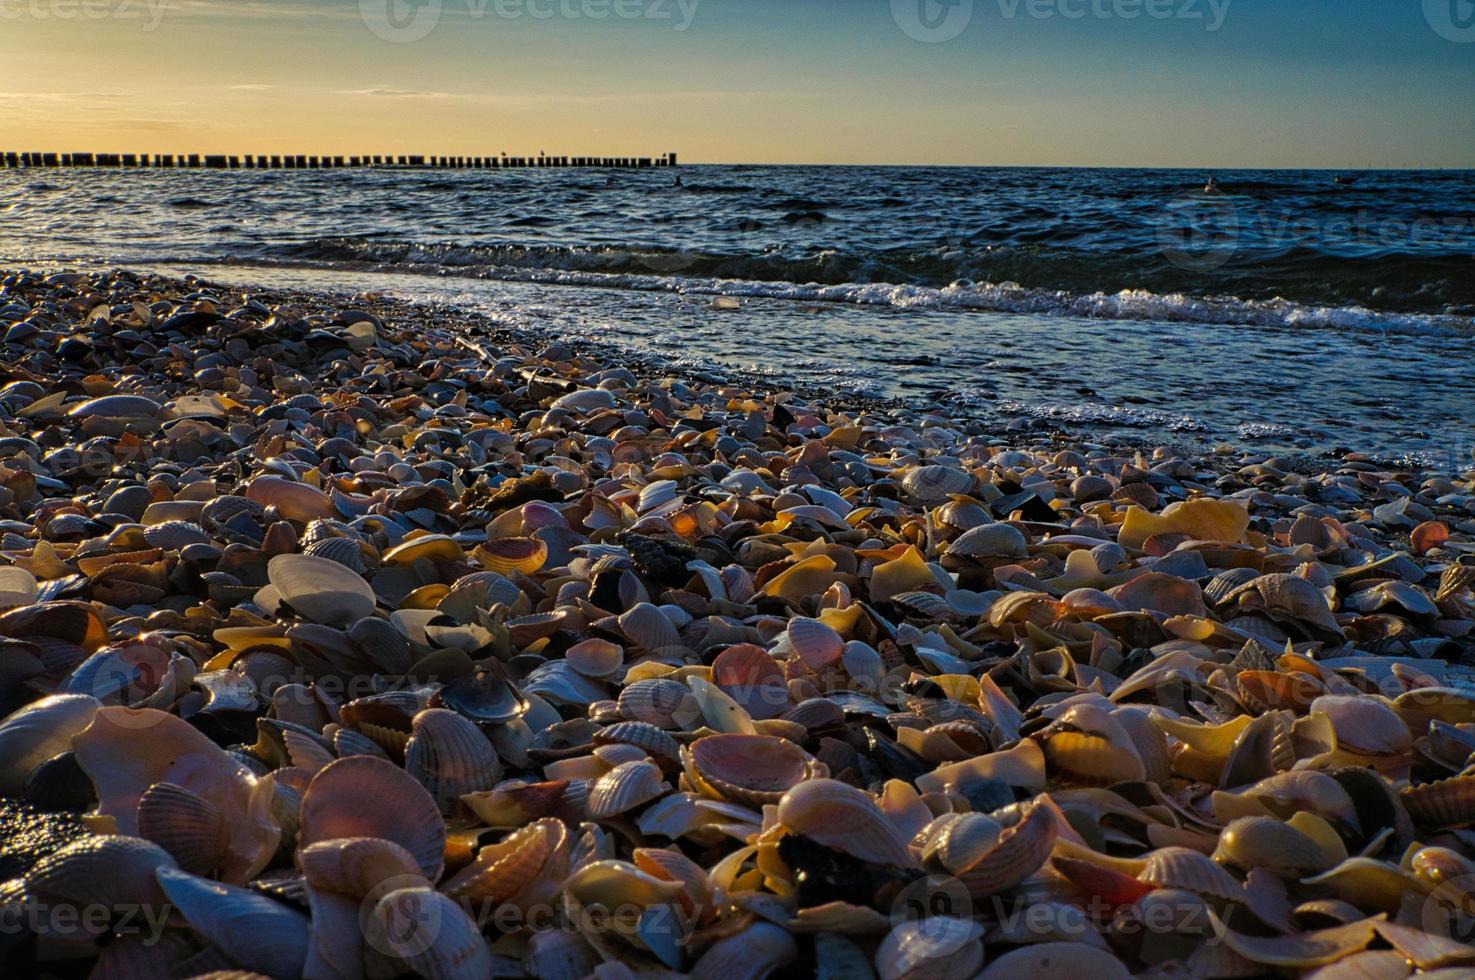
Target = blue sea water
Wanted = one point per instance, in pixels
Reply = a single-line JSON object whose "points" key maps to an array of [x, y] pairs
{"points": [[1300, 310]]}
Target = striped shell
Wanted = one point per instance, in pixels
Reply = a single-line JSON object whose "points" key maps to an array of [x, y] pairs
{"points": [[625, 787], [450, 757], [935, 483], [506, 555], [661, 702], [362, 796], [1190, 870], [750, 770], [345, 551], [192, 830]]}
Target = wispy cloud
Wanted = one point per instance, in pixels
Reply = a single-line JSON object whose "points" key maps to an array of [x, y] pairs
{"points": [[393, 93], [254, 87]]}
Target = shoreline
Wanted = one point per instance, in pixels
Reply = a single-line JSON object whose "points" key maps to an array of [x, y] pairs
{"points": [[538, 632]]}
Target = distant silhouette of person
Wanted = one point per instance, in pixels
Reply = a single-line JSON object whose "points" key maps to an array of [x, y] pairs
{"points": [[1212, 187], [677, 183]]}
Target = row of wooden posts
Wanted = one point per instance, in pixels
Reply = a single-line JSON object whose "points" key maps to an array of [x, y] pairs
{"points": [[303, 162]]}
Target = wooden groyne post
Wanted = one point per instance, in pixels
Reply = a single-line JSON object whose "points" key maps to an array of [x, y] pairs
{"points": [[17, 159]]}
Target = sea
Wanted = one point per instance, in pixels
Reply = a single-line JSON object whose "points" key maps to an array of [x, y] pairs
{"points": [[1293, 312]]}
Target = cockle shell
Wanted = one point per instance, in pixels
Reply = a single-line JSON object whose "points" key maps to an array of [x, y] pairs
{"points": [[817, 644], [930, 484], [750, 770], [450, 757], [1021, 850], [989, 541], [1265, 842], [194, 832], [125, 751], [1189, 870], [362, 796], [527, 866], [355, 866], [659, 701], [625, 787], [845, 819], [752, 954]]}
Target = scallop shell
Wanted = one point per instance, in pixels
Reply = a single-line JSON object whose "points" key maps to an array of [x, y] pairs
{"points": [[321, 590], [507, 555], [1189, 870], [527, 866], [752, 678], [625, 787], [355, 866], [596, 658], [989, 541], [345, 551], [645, 736], [362, 796], [649, 629], [750, 770], [1447, 803], [1021, 851], [934, 483], [659, 701], [846, 819], [426, 547], [817, 644], [192, 830], [450, 757]]}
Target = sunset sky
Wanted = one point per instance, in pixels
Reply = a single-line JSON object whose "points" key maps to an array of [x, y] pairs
{"points": [[1279, 83]]}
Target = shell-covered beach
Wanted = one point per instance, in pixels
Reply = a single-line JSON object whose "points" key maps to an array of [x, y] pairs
{"points": [[347, 637]]}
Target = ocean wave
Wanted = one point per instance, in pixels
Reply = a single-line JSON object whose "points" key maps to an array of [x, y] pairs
{"points": [[759, 277]]}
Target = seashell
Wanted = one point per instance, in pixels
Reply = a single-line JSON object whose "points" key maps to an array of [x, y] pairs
{"points": [[112, 871], [902, 575], [1192, 871], [431, 935], [558, 955], [1087, 745], [1056, 961], [1021, 851], [642, 735], [507, 555], [750, 770], [253, 931], [40, 731], [425, 547], [625, 787], [988, 541], [1446, 803], [293, 500], [528, 867], [962, 840], [450, 757], [934, 483], [753, 679], [193, 831], [753, 954], [818, 645], [1364, 723], [482, 697], [845, 819], [931, 949], [355, 866], [321, 590], [596, 658], [648, 628], [1264, 842], [1201, 519], [125, 751], [659, 701], [1159, 593], [345, 551], [362, 796]]}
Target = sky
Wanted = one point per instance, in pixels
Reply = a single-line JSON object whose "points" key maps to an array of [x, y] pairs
{"points": [[1158, 83]]}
